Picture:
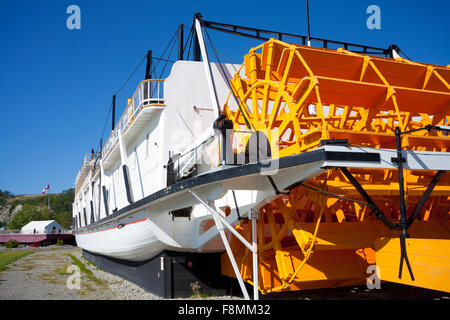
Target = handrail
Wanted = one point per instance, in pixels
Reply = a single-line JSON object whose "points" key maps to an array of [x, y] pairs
{"points": [[145, 94], [82, 172], [149, 92]]}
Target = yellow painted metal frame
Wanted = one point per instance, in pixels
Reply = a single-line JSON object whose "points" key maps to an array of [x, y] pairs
{"points": [[429, 258], [305, 95]]}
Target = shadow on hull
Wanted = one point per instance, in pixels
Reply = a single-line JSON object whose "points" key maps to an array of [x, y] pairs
{"points": [[172, 274]]}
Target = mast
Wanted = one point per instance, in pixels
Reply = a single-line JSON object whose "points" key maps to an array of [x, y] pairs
{"points": [[180, 42], [113, 117], [149, 65], [206, 65], [307, 19]]}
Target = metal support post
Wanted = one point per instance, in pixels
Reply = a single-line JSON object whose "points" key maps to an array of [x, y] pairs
{"points": [[221, 228], [207, 67], [403, 217], [255, 217]]}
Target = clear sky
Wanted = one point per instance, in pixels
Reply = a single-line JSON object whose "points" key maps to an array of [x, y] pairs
{"points": [[56, 84]]}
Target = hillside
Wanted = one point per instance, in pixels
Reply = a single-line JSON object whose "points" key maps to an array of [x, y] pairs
{"points": [[17, 211]]}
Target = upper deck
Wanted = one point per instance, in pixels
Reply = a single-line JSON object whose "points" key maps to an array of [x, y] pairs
{"points": [[149, 93]]}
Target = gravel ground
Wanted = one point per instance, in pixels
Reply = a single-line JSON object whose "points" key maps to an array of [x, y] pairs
{"points": [[42, 276], [39, 276]]}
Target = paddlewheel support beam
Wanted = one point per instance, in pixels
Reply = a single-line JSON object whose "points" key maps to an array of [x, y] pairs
{"points": [[300, 96], [221, 223], [256, 33]]}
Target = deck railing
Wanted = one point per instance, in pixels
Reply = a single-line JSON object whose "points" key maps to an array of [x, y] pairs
{"points": [[88, 162], [149, 92]]}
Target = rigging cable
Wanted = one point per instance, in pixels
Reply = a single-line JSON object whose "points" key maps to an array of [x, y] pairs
{"points": [[188, 40], [104, 127], [170, 53], [167, 47], [335, 195], [229, 86], [191, 40], [123, 85], [168, 60], [132, 74], [405, 54]]}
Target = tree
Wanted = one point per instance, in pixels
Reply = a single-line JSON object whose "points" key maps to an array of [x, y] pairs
{"points": [[35, 209], [26, 215], [4, 195]]}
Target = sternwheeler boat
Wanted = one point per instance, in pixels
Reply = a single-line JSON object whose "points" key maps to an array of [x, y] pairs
{"points": [[300, 168]]}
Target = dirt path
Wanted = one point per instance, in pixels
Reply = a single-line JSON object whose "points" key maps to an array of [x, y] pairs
{"points": [[42, 276]]}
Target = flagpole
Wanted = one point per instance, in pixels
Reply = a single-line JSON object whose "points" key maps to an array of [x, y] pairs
{"points": [[307, 19], [48, 199]]}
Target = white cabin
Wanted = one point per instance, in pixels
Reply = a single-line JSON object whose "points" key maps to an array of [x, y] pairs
{"points": [[163, 118]]}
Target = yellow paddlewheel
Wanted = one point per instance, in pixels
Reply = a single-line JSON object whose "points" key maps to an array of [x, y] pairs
{"points": [[298, 96]]}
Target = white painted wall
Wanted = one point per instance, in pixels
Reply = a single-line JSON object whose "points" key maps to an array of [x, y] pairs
{"points": [[187, 114]]}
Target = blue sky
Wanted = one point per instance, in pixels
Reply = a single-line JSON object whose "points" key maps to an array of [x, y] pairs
{"points": [[56, 84]]}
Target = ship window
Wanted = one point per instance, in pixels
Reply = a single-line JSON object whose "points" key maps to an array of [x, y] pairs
{"points": [[106, 200], [85, 219], [92, 212], [184, 212]]}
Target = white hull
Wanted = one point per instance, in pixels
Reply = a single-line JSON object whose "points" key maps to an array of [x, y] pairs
{"points": [[134, 242], [143, 230]]}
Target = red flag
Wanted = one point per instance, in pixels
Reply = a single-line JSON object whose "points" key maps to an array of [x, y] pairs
{"points": [[45, 189]]}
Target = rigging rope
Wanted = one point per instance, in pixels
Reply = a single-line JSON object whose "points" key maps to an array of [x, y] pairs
{"points": [[120, 89], [134, 72], [190, 43], [188, 40], [167, 47], [106, 122], [229, 86], [165, 65]]}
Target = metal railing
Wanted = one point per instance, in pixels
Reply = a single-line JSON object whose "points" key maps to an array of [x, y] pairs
{"points": [[181, 165], [149, 92], [88, 162]]}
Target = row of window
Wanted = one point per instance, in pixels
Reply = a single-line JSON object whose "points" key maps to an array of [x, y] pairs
{"points": [[77, 220]]}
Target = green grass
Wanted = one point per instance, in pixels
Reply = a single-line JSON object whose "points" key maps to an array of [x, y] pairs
{"points": [[8, 257], [61, 271], [83, 269]]}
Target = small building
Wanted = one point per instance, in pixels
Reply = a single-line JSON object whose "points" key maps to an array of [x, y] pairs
{"points": [[42, 227]]}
